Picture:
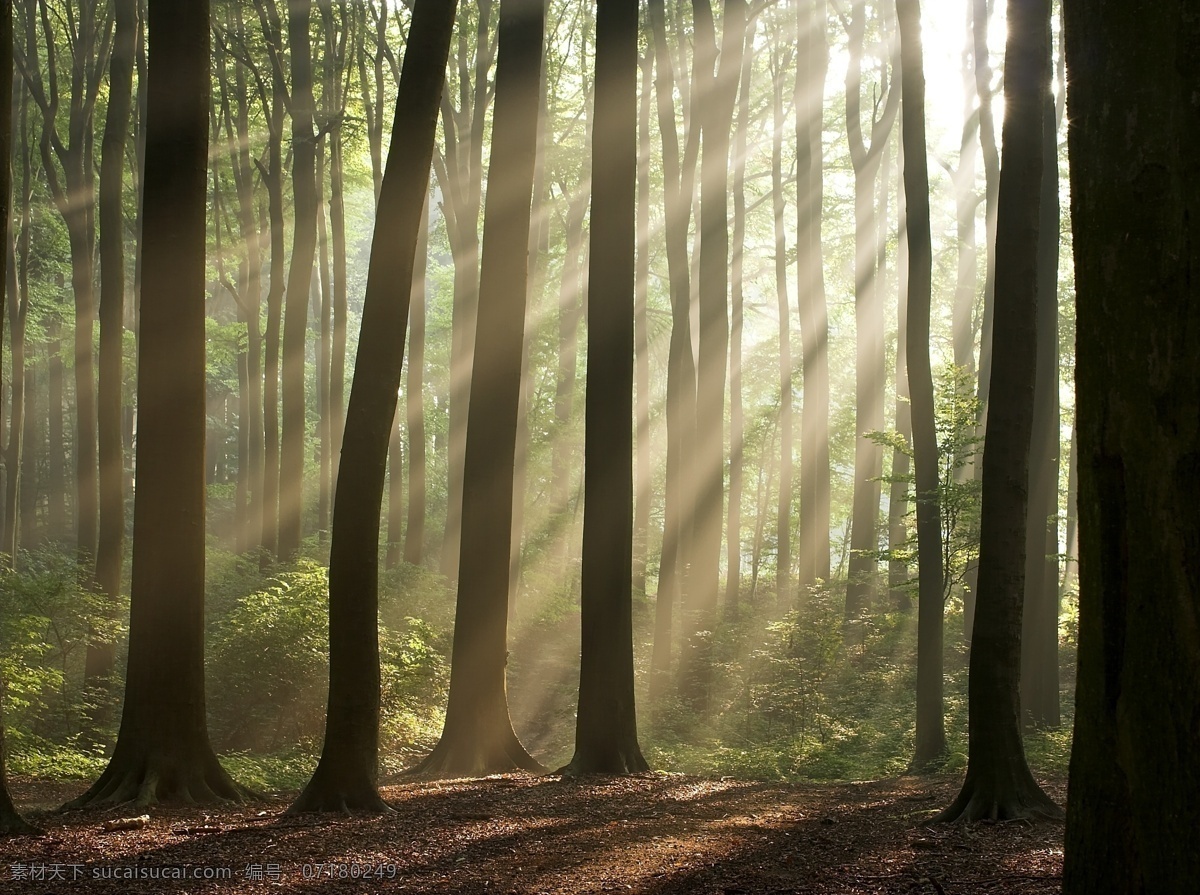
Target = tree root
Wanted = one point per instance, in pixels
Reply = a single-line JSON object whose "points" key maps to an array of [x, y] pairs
{"points": [[342, 790], [987, 803], [161, 781], [451, 759], [12, 824]]}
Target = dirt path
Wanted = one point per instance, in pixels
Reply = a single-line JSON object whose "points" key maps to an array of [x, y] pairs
{"points": [[527, 835]]}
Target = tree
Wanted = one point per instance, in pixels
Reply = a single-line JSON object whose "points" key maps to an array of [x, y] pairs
{"points": [[345, 777], [111, 543], [304, 239], [1039, 635], [162, 751], [89, 39], [869, 329], [931, 732], [717, 86], [812, 55], [606, 724], [1134, 801], [681, 371], [10, 820], [999, 785], [478, 737]]}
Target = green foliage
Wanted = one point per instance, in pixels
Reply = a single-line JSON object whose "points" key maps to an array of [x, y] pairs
{"points": [[46, 619], [269, 661], [957, 408]]}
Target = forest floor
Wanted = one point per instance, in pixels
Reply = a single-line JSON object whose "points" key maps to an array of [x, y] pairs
{"points": [[653, 834]]}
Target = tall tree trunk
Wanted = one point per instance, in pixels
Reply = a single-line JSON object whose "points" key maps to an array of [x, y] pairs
{"points": [[324, 351], [783, 526], [1039, 632], [162, 751], [812, 56], [930, 743], [870, 375], [999, 785], [462, 182], [56, 458], [414, 396], [643, 492], [1134, 800], [606, 724], [737, 423], [478, 737], [395, 492], [681, 371], [901, 459], [101, 653], [295, 325], [719, 87], [345, 778]]}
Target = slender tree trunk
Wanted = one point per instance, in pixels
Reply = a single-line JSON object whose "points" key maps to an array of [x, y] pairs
{"points": [[930, 743], [324, 351], [56, 458], [478, 737], [395, 492], [737, 423], [720, 90], [870, 375], [295, 325], [606, 726], [414, 396], [345, 778], [1039, 633], [999, 785], [643, 493], [901, 459], [812, 65], [783, 526], [101, 654], [681, 373]]}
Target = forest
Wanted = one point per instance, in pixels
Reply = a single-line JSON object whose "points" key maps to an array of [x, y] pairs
{"points": [[662, 446]]}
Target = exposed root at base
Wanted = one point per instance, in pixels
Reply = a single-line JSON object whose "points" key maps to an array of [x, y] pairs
{"points": [[448, 760], [973, 806], [154, 783]]}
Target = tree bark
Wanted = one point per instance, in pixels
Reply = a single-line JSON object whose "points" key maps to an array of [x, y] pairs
{"points": [[414, 396], [478, 737], [999, 785], [606, 724], [1134, 801], [345, 778], [101, 654], [812, 56], [930, 743], [162, 751], [295, 324]]}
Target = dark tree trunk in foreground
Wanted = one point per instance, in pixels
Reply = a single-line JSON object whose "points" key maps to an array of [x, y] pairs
{"points": [[930, 743], [1039, 634], [478, 737], [345, 778], [606, 726], [162, 752], [10, 821], [999, 785], [304, 244], [1134, 802], [101, 655]]}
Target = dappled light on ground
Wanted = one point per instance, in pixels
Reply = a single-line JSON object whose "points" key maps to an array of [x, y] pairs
{"points": [[652, 834]]}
